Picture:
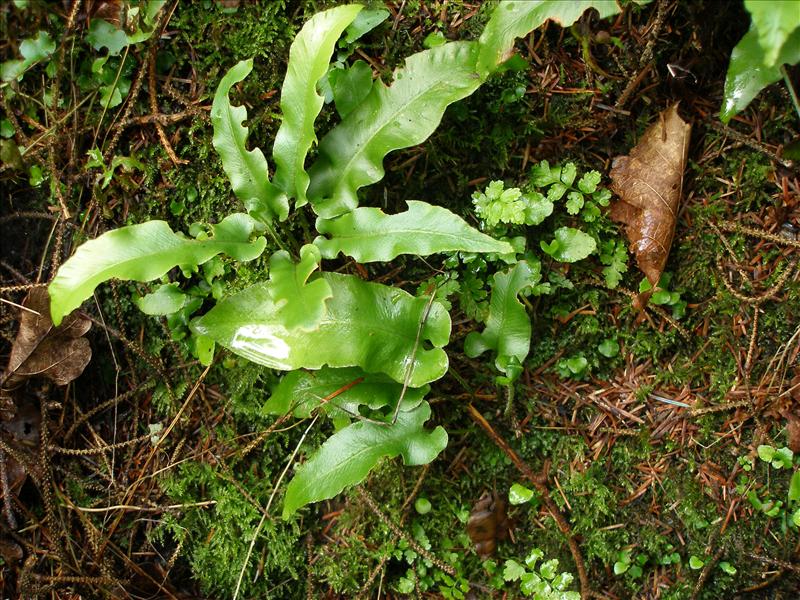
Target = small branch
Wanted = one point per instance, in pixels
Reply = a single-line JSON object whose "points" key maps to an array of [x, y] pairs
{"points": [[539, 481], [400, 533]]}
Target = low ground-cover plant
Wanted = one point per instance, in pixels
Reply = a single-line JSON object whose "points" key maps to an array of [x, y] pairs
{"points": [[355, 350]]}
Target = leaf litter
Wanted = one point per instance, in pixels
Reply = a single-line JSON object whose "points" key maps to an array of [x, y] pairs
{"points": [[59, 354], [649, 182]]}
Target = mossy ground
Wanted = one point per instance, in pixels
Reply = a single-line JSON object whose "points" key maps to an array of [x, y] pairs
{"points": [[628, 468]]}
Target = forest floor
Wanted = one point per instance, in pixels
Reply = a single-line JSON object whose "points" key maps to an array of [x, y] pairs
{"points": [[651, 452]]}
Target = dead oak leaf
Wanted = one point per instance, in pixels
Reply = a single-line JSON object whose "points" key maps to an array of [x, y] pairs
{"points": [[57, 353], [649, 182]]}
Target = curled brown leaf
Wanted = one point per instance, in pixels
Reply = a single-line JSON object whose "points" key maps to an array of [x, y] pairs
{"points": [[488, 523], [57, 353], [649, 182]]}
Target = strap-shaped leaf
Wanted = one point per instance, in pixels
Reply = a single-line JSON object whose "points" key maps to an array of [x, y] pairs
{"points": [[300, 303], [309, 57], [349, 455], [247, 170], [338, 390], [508, 328], [368, 325], [401, 115], [369, 235], [512, 19], [143, 253]]}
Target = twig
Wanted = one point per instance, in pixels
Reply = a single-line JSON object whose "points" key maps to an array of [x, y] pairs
{"points": [[151, 85], [539, 482], [400, 533], [743, 139], [790, 87], [413, 355]]}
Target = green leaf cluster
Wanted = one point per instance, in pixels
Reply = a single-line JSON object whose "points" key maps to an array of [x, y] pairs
{"points": [[584, 196], [33, 51], [510, 206], [357, 338], [542, 582]]}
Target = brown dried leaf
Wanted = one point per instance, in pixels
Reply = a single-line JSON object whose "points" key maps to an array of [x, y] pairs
{"points": [[649, 182], [10, 552], [59, 353], [488, 523], [22, 435]]}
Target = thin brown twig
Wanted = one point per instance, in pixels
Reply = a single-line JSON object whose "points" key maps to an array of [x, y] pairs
{"points": [[365, 496], [539, 482], [151, 89]]}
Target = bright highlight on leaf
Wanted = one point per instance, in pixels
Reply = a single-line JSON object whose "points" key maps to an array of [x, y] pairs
{"points": [[369, 235], [748, 74], [519, 494], [299, 303], [247, 169], [368, 325], [143, 253], [348, 455]]}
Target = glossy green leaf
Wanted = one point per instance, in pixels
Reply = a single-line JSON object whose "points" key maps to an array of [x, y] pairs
{"points": [[513, 570], [570, 245], [350, 86], [339, 390], [365, 21], [727, 567], [574, 202], [512, 19], [538, 208], [247, 170], [309, 57], [422, 505], [32, 50], [519, 494], [390, 118], [369, 235], [299, 303], [167, 299], [143, 253], [589, 182], [774, 22], [368, 325], [203, 349], [748, 74], [347, 456], [543, 175], [766, 453], [508, 328], [103, 34]]}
